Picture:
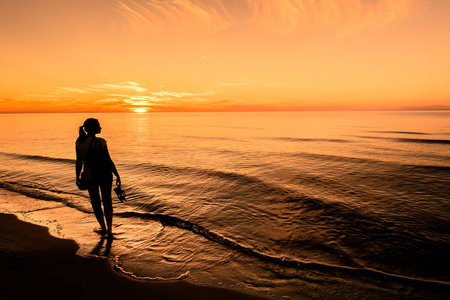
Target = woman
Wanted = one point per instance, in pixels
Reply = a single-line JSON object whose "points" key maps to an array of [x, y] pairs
{"points": [[92, 152]]}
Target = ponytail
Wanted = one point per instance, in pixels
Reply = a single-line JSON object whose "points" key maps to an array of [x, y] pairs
{"points": [[81, 134]]}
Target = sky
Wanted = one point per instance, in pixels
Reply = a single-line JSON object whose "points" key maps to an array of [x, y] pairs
{"points": [[223, 55]]}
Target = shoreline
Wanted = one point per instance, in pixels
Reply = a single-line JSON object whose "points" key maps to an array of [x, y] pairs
{"points": [[37, 265]]}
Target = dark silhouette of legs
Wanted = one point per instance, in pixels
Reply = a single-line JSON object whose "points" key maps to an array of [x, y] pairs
{"points": [[105, 187], [96, 205]]}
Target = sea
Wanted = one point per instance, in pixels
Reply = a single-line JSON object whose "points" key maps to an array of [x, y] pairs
{"points": [[289, 205]]}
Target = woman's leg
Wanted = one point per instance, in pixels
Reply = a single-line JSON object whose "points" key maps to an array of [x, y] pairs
{"points": [[106, 187], [96, 204]]}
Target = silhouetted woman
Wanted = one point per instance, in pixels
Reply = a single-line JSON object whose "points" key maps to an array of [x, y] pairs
{"points": [[92, 152]]}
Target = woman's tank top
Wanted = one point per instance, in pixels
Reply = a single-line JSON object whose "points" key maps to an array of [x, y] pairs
{"points": [[96, 162]]}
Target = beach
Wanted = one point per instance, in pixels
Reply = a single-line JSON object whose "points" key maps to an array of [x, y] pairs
{"points": [[316, 205], [36, 265]]}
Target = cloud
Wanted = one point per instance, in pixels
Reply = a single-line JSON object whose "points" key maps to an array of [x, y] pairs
{"points": [[125, 96], [161, 99], [277, 17], [74, 90], [130, 96], [180, 95], [133, 86], [57, 95], [135, 100], [64, 92]]}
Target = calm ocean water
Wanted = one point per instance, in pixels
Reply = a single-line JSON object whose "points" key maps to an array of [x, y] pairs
{"points": [[322, 205]]}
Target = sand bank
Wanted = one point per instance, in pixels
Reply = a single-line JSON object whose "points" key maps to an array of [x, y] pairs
{"points": [[36, 265]]}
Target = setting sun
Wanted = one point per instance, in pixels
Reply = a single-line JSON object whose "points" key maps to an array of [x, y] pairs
{"points": [[139, 109]]}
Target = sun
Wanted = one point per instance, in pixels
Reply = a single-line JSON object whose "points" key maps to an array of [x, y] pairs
{"points": [[140, 109]]}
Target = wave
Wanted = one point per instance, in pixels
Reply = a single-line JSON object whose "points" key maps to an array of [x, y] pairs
{"points": [[217, 126], [236, 178], [402, 132], [167, 220], [367, 161], [425, 141], [290, 139], [44, 194], [38, 157], [258, 184], [210, 138], [119, 268], [336, 158], [406, 140]]}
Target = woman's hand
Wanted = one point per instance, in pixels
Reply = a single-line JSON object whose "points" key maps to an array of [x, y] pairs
{"points": [[118, 182]]}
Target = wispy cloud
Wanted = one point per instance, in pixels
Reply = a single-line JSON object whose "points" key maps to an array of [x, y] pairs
{"points": [[180, 95], [162, 98], [131, 96], [104, 88], [133, 86], [122, 96], [135, 100], [74, 90], [280, 17], [42, 96]]}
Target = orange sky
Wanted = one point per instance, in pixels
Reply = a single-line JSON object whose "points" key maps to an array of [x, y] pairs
{"points": [[224, 55]]}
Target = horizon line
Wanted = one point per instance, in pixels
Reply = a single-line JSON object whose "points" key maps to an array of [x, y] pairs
{"points": [[230, 111]]}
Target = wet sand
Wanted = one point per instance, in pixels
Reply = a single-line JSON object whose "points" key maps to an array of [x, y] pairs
{"points": [[36, 265]]}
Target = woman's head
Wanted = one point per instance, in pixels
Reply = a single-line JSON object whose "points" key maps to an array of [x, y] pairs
{"points": [[91, 126]]}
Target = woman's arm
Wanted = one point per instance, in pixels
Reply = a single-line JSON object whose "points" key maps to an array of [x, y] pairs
{"points": [[112, 165], [78, 165]]}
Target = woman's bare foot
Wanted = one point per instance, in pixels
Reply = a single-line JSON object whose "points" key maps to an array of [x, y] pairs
{"points": [[100, 231]]}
